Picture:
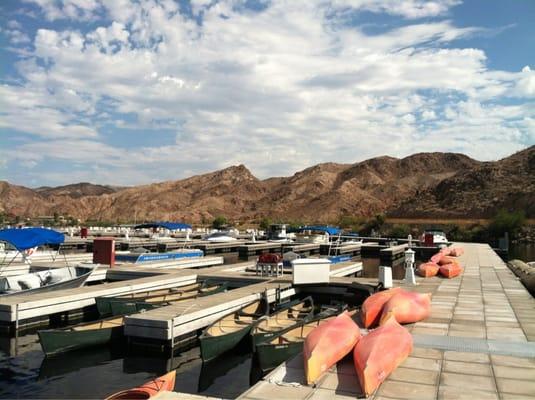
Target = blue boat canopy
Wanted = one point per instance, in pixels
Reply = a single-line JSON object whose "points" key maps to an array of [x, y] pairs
{"points": [[26, 238], [172, 226], [327, 229]]}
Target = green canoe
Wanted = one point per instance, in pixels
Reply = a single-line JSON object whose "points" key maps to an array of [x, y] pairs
{"points": [[54, 341], [289, 315], [227, 332], [163, 296], [289, 342]]}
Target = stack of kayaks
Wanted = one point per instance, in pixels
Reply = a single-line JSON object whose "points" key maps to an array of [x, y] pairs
{"points": [[130, 303], [150, 389], [444, 262], [376, 354]]}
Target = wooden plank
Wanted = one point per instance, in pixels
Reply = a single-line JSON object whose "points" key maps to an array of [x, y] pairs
{"points": [[42, 304]]}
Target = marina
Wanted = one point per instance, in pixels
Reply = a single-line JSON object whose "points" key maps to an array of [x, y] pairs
{"points": [[486, 311]]}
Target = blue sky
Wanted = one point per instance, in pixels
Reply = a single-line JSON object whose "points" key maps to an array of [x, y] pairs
{"points": [[131, 92]]}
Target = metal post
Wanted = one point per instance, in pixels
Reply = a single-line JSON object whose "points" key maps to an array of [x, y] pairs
{"points": [[409, 270]]}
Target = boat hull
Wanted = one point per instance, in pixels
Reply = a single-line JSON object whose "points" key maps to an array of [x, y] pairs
{"points": [[149, 389], [60, 341], [66, 284], [214, 346], [272, 355]]}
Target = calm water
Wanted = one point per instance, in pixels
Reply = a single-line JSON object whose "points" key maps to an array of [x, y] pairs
{"points": [[97, 373]]}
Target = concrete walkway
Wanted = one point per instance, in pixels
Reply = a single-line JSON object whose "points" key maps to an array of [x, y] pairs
{"points": [[487, 302]]}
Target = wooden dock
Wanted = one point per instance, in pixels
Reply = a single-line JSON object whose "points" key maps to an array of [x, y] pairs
{"points": [[174, 321], [17, 308], [478, 343]]}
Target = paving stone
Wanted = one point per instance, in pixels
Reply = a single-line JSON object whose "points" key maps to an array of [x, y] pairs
{"points": [[342, 382], [405, 390], [501, 371], [475, 382], [470, 334], [266, 391], [414, 376], [510, 361], [324, 394], [467, 368], [462, 393], [421, 352], [422, 363], [509, 396], [466, 357], [516, 386]]}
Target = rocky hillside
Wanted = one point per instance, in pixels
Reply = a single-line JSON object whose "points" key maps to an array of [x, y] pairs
{"points": [[479, 191], [421, 185]]}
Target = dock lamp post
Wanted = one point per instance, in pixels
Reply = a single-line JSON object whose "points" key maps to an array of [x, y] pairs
{"points": [[409, 267]]}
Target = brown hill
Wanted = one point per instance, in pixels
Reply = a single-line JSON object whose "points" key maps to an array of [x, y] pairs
{"points": [[424, 184], [479, 191], [77, 190]]}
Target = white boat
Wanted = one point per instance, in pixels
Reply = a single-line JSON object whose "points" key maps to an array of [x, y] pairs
{"points": [[220, 236], [315, 234], [439, 237], [277, 233], [45, 281]]}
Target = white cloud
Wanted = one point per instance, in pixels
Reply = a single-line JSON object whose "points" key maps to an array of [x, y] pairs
{"points": [[68, 9], [278, 89]]}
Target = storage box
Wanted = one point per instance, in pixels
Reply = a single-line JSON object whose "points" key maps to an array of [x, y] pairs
{"points": [[311, 270]]}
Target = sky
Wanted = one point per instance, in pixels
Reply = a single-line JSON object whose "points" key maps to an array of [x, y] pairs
{"points": [[131, 92]]}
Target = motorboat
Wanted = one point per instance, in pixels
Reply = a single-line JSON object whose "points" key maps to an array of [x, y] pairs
{"points": [[221, 236], [433, 237]]}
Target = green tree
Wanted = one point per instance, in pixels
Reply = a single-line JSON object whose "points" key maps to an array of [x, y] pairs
{"points": [[506, 221], [219, 222], [400, 231], [265, 223]]}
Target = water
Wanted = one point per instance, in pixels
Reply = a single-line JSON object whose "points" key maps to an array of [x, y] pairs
{"points": [[99, 372], [522, 251]]}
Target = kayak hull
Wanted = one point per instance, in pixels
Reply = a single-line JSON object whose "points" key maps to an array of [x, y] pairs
{"points": [[373, 306], [407, 307], [379, 353], [428, 269], [327, 344], [149, 389]]}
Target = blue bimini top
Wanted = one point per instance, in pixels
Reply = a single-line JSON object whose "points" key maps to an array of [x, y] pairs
{"points": [[172, 226], [26, 238]]}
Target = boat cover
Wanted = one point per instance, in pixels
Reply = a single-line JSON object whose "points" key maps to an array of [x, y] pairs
{"points": [[328, 229], [172, 226], [26, 238]]}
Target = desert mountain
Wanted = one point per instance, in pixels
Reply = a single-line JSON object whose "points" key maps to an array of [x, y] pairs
{"points": [[424, 184]]}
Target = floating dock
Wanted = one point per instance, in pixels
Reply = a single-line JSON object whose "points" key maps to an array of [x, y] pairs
{"points": [[478, 343]]}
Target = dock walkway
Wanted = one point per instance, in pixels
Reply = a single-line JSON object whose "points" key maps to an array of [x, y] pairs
{"points": [[460, 351]]}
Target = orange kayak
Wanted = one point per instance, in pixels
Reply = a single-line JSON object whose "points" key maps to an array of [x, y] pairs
{"points": [[407, 307], [441, 259], [451, 270], [428, 269], [446, 251], [373, 306], [456, 251], [327, 344], [147, 390], [380, 352]]}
